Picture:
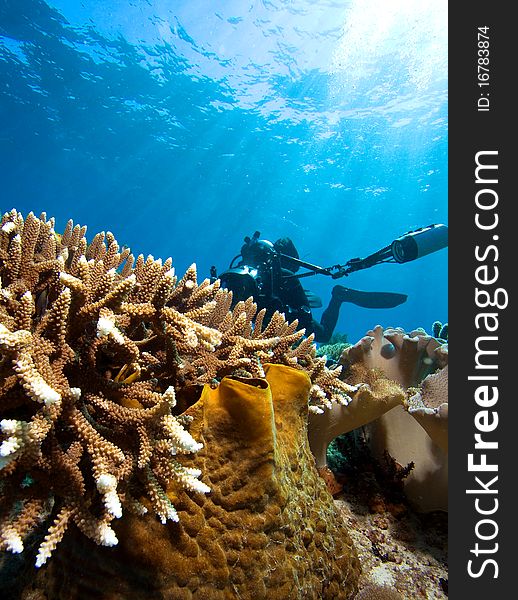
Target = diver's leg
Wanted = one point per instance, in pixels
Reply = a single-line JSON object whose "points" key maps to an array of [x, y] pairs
{"points": [[329, 319], [320, 334], [342, 294]]}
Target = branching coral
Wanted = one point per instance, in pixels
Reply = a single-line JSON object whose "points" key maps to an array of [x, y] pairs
{"points": [[95, 350]]}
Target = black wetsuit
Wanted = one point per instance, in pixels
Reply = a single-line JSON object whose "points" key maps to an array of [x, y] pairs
{"points": [[296, 306], [279, 290]]}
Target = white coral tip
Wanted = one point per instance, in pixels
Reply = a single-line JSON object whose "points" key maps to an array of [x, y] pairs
{"points": [[113, 504], [106, 482], [107, 535], [170, 396], [8, 227], [13, 542], [41, 559], [46, 393], [9, 446], [9, 426], [104, 327], [75, 393], [198, 486], [171, 514]]}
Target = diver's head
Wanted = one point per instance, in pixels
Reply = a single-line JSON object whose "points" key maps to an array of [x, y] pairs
{"points": [[287, 247], [256, 252]]}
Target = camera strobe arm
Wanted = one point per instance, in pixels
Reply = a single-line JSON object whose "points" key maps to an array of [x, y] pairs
{"points": [[313, 269], [357, 264], [408, 247]]}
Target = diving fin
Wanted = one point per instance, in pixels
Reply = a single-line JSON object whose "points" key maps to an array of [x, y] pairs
{"points": [[368, 299]]}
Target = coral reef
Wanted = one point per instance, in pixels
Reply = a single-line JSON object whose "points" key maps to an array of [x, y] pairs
{"points": [[407, 359], [334, 348], [268, 529], [398, 547], [405, 551], [440, 331], [374, 397], [100, 354], [429, 406]]}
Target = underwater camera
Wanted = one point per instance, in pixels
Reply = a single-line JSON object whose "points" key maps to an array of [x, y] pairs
{"points": [[243, 282], [420, 242], [405, 248], [253, 275]]}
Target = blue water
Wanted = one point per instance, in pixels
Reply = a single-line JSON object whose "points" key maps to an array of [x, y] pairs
{"points": [[182, 126]]}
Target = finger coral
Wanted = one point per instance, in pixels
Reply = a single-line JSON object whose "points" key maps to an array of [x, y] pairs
{"points": [[99, 355]]}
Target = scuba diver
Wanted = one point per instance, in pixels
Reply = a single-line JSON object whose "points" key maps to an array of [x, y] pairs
{"points": [[269, 273]]}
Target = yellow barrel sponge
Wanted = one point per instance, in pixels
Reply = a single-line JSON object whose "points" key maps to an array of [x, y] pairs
{"points": [[268, 529]]}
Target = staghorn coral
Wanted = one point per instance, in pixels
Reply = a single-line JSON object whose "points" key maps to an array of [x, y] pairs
{"points": [[99, 355], [77, 443]]}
